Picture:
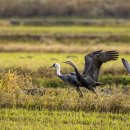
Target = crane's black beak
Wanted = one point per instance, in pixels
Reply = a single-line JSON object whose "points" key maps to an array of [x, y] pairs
{"points": [[65, 62], [51, 66]]}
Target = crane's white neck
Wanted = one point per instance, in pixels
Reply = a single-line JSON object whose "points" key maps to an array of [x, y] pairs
{"points": [[58, 68]]}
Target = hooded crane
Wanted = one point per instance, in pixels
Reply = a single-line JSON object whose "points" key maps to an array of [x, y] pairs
{"points": [[126, 65], [93, 63], [67, 78]]}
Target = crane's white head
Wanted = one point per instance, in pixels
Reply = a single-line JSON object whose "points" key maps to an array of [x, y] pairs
{"points": [[56, 65]]}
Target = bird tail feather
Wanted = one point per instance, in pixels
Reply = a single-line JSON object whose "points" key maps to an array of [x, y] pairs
{"points": [[98, 83]]}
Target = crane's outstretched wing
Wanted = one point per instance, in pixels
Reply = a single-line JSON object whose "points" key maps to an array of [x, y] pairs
{"points": [[101, 58], [89, 61], [98, 59], [126, 64]]}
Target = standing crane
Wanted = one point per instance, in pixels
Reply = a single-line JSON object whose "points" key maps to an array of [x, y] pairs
{"points": [[67, 78]]}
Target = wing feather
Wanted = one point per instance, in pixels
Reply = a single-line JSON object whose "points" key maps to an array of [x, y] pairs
{"points": [[126, 64], [107, 56], [97, 59], [89, 61], [101, 58]]}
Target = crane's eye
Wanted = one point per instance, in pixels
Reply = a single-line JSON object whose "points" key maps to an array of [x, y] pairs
{"points": [[53, 65]]}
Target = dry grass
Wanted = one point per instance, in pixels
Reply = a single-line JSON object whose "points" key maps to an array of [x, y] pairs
{"points": [[12, 95], [54, 47]]}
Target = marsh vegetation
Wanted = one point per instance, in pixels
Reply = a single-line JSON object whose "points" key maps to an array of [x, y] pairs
{"points": [[32, 97]]}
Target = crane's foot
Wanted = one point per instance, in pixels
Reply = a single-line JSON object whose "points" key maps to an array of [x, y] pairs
{"points": [[81, 95], [93, 90]]}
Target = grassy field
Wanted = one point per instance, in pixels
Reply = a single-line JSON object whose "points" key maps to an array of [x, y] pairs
{"points": [[66, 120], [63, 29], [17, 91], [33, 97], [37, 64], [77, 34], [33, 61], [66, 39]]}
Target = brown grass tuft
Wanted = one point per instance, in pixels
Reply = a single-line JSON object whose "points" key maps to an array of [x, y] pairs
{"points": [[12, 95], [62, 48]]}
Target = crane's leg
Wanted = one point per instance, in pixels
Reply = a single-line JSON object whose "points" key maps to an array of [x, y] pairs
{"points": [[93, 90], [79, 91]]}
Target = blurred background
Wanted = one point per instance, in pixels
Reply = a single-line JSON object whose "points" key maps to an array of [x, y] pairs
{"points": [[66, 8]]}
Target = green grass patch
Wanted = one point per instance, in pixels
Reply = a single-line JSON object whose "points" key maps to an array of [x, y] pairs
{"points": [[34, 61], [105, 79], [37, 65], [65, 34], [62, 29], [66, 120]]}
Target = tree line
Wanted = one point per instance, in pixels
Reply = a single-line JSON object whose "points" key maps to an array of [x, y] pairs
{"points": [[65, 8]]}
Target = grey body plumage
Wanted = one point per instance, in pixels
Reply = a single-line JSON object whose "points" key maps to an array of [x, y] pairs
{"points": [[71, 78]]}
